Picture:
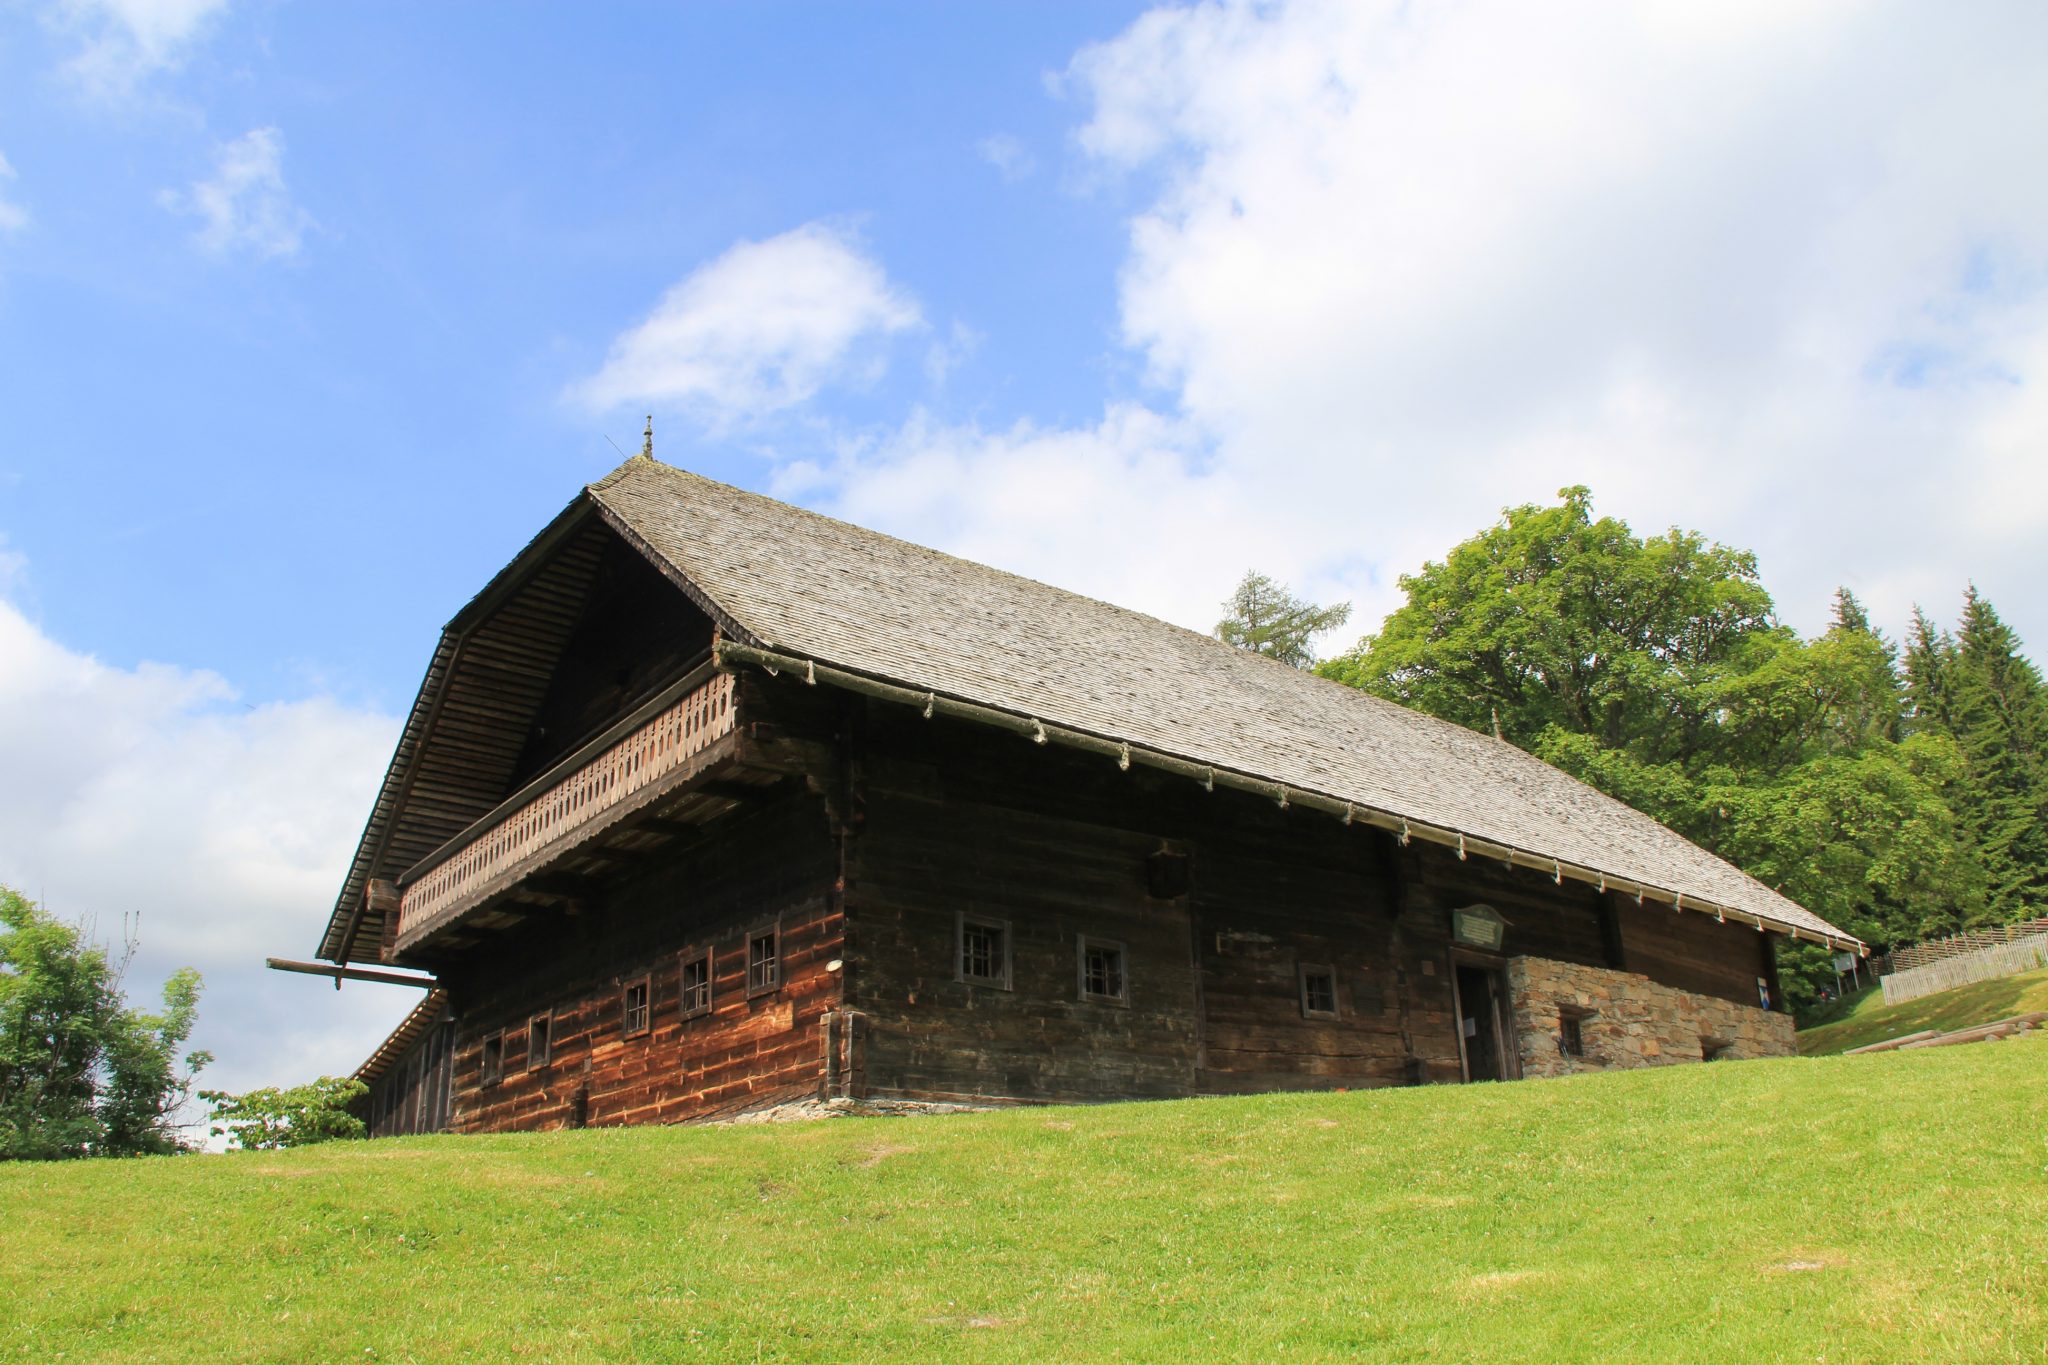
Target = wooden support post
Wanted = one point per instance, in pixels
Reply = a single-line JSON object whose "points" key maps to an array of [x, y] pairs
{"points": [[381, 898]]}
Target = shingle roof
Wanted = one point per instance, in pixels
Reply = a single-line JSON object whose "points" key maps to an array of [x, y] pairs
{"points": [[809, 585]]}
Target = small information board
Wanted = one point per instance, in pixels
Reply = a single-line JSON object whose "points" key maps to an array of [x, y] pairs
{"points": [[1478, 926]]}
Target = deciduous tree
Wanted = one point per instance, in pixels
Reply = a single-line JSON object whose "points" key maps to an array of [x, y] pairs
{"points": [[1654, 668], [82, 1073], [296, 1117]]}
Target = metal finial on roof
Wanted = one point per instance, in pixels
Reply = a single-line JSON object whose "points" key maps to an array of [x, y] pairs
{"points": [[647, 441]]}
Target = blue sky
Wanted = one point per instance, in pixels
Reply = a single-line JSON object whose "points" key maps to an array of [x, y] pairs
{"points": [[311, 315], [290, 465]]}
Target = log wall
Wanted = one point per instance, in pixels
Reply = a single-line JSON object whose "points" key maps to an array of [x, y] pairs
{"points": [[771, 863], [889, 828], [964, 821], [412, 1095]]}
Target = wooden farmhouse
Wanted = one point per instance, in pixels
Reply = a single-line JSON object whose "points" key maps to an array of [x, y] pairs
{"points": [[710, 806]]}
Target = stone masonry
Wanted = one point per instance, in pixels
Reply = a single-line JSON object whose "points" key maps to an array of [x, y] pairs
{"points": [[1628, 1020]]}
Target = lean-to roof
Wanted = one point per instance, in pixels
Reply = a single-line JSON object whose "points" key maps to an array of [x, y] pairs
{"points": [[417, 1021]]}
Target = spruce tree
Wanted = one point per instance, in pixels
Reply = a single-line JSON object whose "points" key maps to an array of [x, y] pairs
{"points": [[1265, 618], [1999, 717], [1930, 677]]}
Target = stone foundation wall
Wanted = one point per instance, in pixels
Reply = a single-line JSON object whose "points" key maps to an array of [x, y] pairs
{"points": [[1627, 1020]]}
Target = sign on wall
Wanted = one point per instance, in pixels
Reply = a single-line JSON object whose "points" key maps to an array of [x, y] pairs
{"points": [[1478, 926]]}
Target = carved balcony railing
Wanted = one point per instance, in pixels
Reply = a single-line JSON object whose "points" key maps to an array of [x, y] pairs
{"points": [[567, 810]]}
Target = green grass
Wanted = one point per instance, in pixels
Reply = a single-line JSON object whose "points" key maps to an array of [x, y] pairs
{"points": [[1869, 1020], [1891, 1207]]}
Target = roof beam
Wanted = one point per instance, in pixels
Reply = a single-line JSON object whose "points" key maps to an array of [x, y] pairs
{"points": [[340, 973]]}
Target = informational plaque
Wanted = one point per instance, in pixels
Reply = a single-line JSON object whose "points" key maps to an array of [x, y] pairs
{"points": [[1478, 926]]}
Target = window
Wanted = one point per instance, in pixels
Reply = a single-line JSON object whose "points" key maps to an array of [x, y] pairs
{"points": [[1102, 972], [1716, 1049], [540, 1041], [633, 1007], [1571, 1034], [696, 987], [764, 961], [494, 1059], [1319, 992], [984, 951]]}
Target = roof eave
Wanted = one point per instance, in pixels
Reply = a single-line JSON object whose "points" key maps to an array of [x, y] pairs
{"points": [[1350, 811]]}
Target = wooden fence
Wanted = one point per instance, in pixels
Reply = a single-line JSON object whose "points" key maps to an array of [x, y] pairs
{"points": [[1985, 964], [1962, 945]]}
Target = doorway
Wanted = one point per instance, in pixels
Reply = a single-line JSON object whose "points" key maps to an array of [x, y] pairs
{"points": [[1482, 1027]]}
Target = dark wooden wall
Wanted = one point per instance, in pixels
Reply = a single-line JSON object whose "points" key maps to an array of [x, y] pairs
{"points": [[959, 818], [1695, 953], [413, 1094], [763, 863], [922, 861], [634, 633], [886, 827]]}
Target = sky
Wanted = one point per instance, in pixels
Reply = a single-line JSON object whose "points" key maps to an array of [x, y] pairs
{"points": [[310, 316]]}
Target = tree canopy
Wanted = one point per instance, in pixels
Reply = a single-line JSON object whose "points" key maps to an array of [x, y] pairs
{"points": [[298, 1116], [1263, 617], [1899, 797], [81, 1072]]}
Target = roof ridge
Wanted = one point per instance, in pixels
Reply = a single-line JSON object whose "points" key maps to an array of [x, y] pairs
{"points": [[1238, 657], [1208, 640]]}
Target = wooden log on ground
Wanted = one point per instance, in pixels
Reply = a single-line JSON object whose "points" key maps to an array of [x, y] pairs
{"points": [[1890, 1044], [2019, 1023]]}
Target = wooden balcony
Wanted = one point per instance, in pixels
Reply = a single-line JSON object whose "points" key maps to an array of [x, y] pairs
{"points": [[571, 804]]}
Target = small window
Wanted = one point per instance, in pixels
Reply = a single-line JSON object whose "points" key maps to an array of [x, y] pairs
{"points": [[764, 961], [1571, 1035], [494, 1059], [1102, 972], [985, 951], [1319, 992], [633, 1007], [1716, 1049], [540, 1041], [696, 988]]}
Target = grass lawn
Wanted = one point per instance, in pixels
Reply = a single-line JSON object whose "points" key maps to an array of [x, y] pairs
{"points": [[1869, 1020], [1892, 1207]]}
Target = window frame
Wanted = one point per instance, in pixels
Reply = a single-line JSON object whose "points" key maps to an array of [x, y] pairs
{"points": [[490, 1067], [1005, 977], [541, 1025], [685, 961], [1303, 971], [645, 985], [1083, 943], [773, 933]]}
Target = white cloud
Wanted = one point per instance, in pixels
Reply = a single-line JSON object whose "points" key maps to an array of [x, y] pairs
{"points": [[13, 217], [1759, 269], [124, 41], [245, 206], [760, 329], [1011, 158], [152, 791]]}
